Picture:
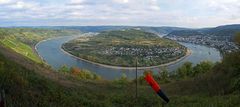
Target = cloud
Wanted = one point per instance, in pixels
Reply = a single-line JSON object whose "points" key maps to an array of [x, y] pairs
{"points": [[187, 13], [4, 2], [23, 5], [121, 1]]}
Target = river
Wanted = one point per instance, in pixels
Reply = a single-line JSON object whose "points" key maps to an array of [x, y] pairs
{"points": [[50, 51]]}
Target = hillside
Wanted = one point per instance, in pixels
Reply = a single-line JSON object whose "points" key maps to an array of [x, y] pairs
{"points": [[185, 33], [23, 40], [157, 30], [162, 30], [37, 85], [121, 47], [19, 47], [225, 32]]}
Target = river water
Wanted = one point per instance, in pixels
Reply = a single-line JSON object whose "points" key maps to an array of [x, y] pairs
{"points": [[50, 51]]}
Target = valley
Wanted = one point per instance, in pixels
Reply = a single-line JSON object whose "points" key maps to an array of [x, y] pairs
{"points": [[119, 53], [74, 84]]}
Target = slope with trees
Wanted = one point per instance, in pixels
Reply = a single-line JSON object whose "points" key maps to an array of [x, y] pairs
{"points": [[29, 84]]}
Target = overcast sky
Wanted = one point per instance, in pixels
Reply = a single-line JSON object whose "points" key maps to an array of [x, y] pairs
{"points": [[182, 13]]}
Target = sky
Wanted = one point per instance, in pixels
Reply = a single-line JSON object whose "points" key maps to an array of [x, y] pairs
{"points": [[181, 13]]}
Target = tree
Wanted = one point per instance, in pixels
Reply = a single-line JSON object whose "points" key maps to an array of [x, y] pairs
{"points": [[164, 75], [202, 67], [185, 70], [96, 77], [1, 65], [86, 74], [237, 38], [63, 69], [231, 65], [123, 77], [122, 80], [75, 71]]}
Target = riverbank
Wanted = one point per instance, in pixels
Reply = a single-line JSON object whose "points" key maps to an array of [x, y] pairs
{"points": [[127, 68], [51, 52], [36, 45]]}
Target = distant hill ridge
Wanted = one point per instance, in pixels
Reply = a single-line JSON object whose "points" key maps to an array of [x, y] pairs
{"points": [[158, 30], [128, 34], [221, 31]]}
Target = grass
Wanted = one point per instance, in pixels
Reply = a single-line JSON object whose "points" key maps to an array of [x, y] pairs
{"points": [[205, 101]]}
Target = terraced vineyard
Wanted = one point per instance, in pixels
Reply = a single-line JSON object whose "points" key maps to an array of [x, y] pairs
{"points": [[20, 47], [23, 40]]}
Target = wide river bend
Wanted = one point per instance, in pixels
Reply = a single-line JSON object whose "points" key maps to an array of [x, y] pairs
{"points": [[50, 51]]}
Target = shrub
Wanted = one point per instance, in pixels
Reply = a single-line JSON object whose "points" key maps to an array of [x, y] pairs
{"points": [[75, 71], [83, 74], [164, 75], [185, 70], [64, 69], [237, 38], [202, 67], [122, 80]]}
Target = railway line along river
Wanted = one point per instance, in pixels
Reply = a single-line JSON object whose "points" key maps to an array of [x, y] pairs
{"points": [[51, 52]]}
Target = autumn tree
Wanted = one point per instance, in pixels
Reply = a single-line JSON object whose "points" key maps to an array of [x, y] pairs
{"points": [[75, 70]]}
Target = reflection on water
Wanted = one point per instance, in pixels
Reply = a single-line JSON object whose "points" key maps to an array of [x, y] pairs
{"points": [[50, 51]]}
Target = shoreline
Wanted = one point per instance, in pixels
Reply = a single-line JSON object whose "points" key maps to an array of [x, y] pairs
{"points": [[35, 47], [189, 52]]}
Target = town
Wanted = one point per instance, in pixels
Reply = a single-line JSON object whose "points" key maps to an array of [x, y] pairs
{"points": [[145, 53], [224, 45]]}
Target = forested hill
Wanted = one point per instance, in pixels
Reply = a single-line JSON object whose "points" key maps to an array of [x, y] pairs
{"points": [[162, 30], [157, 30], [185, 33], [224, 31], [128, 34], [220, 32]]}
